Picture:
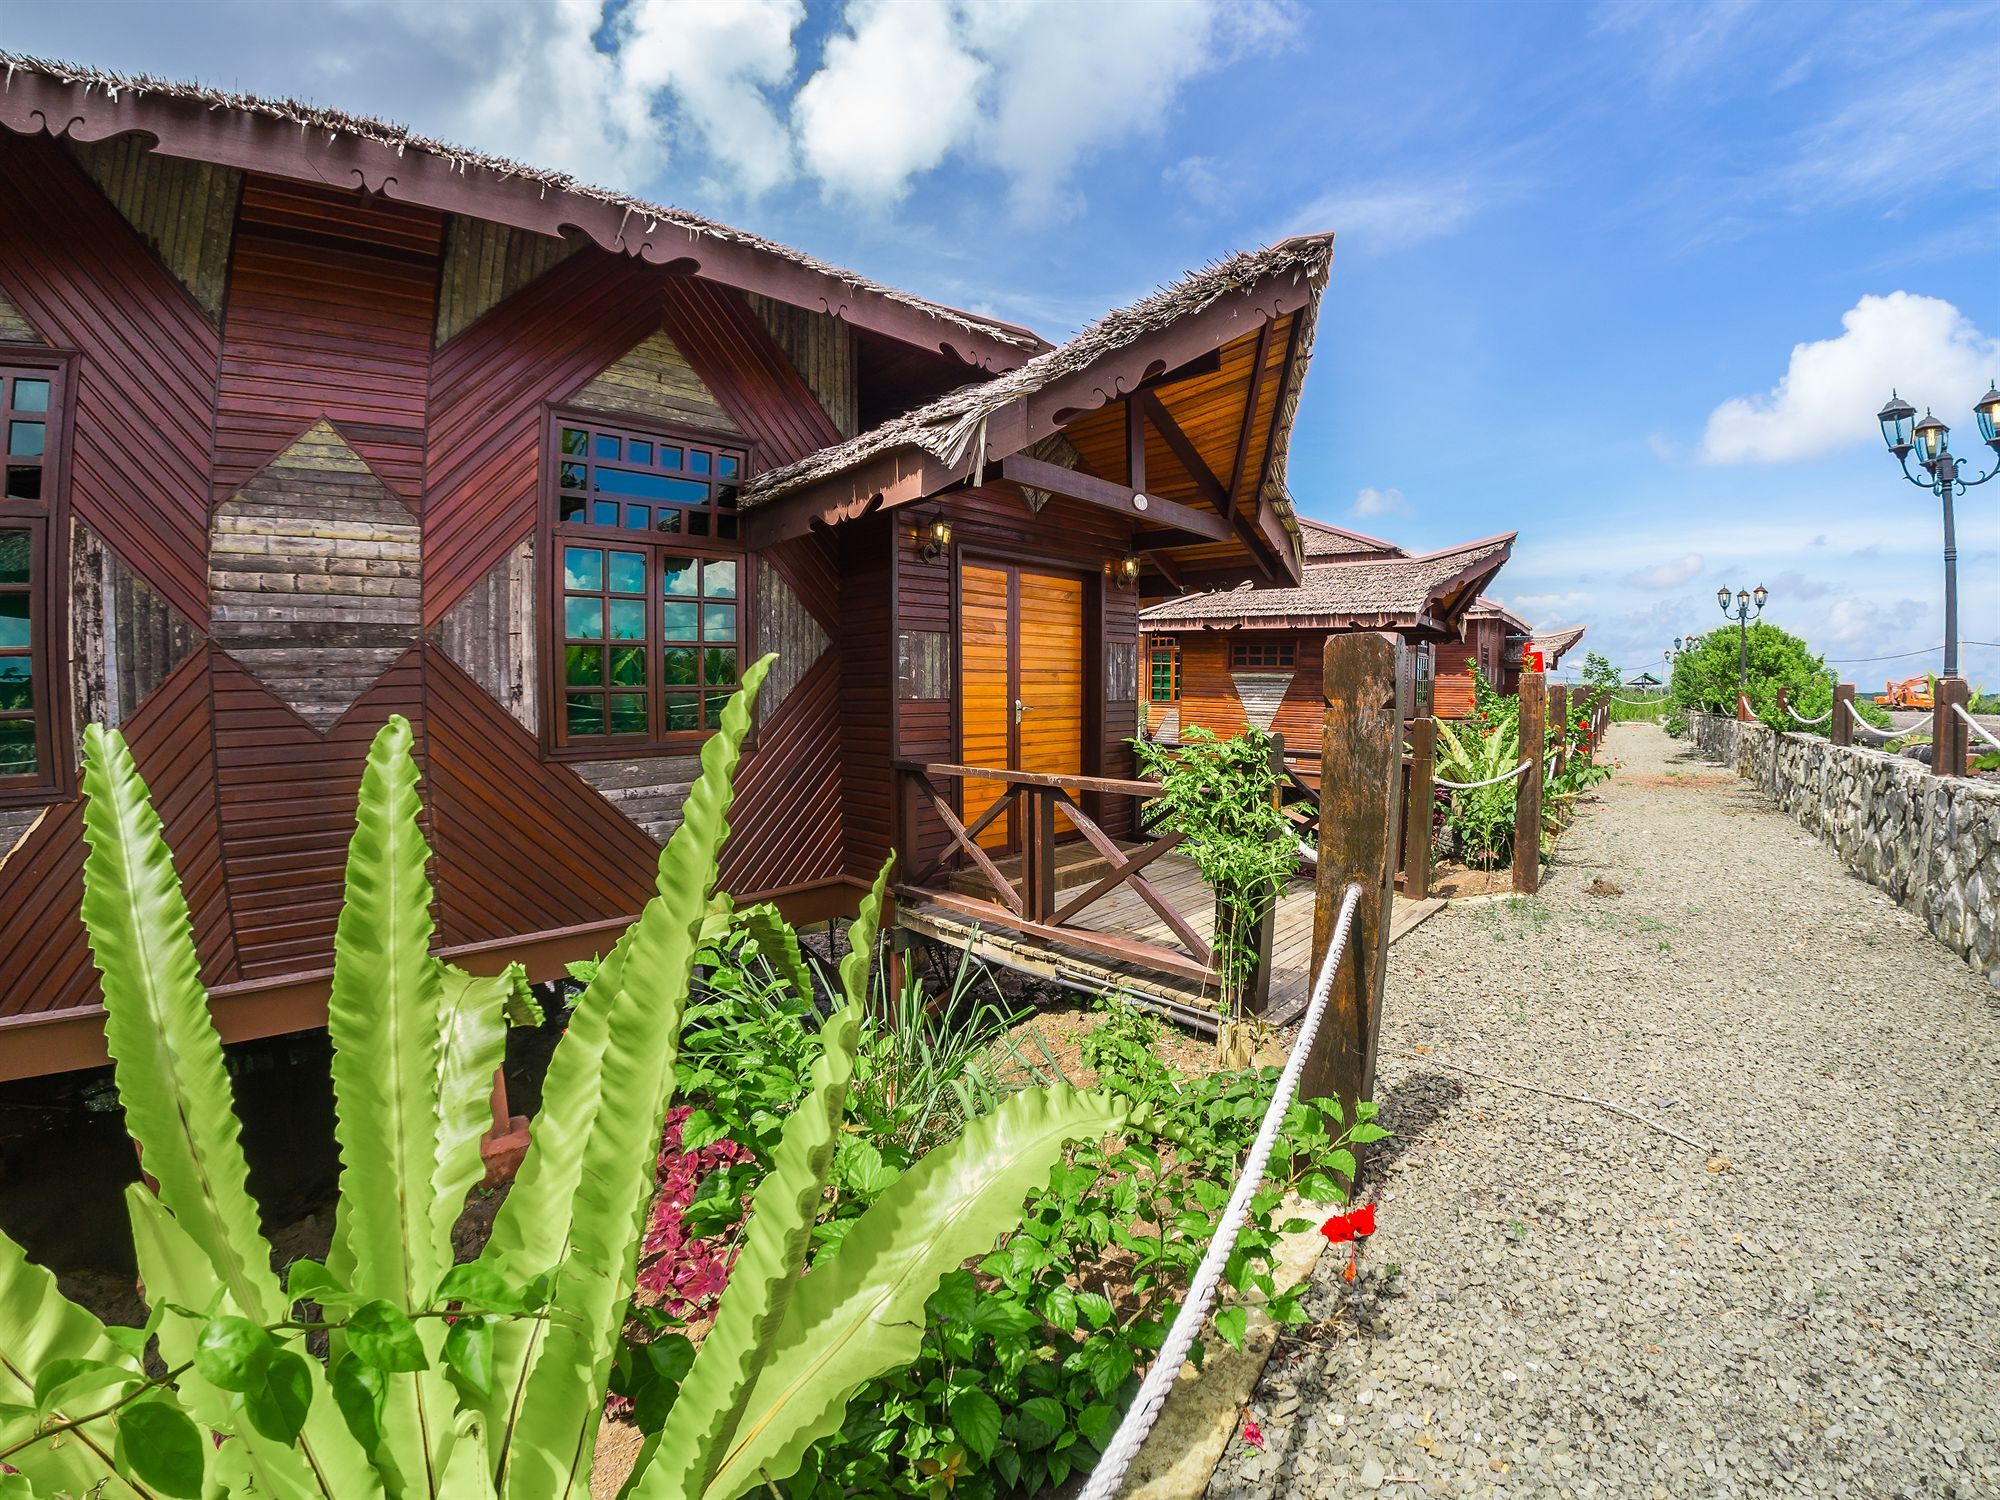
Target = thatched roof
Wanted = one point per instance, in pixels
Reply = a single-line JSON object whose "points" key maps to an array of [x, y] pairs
{"points": [[1323, 539], [948, 428], [336, 123], [1555, 644], [1423, 596], [1484, 608]]}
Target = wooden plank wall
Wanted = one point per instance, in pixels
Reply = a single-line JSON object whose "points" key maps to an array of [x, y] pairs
{"points": [[287, 801], [45, 962], [145, 397], [331, 306]]}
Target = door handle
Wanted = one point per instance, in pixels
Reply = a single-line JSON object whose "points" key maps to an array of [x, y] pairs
{"points": [[1021, 710]]}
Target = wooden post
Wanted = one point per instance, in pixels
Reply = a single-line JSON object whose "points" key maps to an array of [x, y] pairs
{"points": [[1257, 985], [1361, 756], [1528, 787], [1417, 810], [1841, 727], [1784, 704], [1951, 741], [1038, 853], [1559, 717]]}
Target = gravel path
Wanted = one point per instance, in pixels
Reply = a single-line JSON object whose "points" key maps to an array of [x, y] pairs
{"points": [[1560, 1301]]}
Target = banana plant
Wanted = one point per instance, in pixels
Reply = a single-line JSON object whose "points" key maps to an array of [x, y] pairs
{"points": [[389, 1370]]}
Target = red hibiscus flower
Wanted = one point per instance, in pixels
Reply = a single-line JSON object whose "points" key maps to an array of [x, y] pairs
{"points": [[1343, 1229], [1252, 1433]]}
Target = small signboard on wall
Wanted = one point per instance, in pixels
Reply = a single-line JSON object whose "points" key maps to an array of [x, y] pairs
{"points": [[1531, 660]]}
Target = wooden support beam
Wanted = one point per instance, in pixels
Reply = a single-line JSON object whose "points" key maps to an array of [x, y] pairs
{"points": [[1164, 568], [1841, 726], [1212, 489], [1417, 811], [1021, 469], [1135, 441], [1528, 785], [1359, 828]]}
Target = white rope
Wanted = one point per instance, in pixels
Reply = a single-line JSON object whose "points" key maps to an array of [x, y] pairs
{"points": [[1466, 786], [1804, 720], [1641, 702], [1145, 1409], [1876, 736], [1977, 727]]}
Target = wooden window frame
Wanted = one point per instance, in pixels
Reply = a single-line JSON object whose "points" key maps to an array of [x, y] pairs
{"points": [[1170, 647], [1283, 654], [555, 534], [46, 520]]}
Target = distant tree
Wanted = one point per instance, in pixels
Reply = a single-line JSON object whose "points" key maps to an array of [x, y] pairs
{"points": [[1705, 679]]}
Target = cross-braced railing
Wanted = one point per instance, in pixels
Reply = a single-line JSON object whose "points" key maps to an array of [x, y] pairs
{"points": [[1034, 905]]}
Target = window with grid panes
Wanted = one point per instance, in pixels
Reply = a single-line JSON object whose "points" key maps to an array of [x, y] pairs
{"points": [[30, 410], [1257, 656], [1165, 668], [651, 605]]}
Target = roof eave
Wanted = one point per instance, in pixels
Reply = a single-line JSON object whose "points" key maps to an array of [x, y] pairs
{"points": [[32, 102]]}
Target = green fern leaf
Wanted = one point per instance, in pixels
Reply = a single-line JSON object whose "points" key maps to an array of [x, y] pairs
{"points": [[39, 1326], [779, 943], [473, 1015], [555, 1423], [863, 1315], [767, 1269], [326, 1463], [167, 1056]]}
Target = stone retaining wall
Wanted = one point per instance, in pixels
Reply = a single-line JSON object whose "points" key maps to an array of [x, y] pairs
{"points": [[1931, 842]]}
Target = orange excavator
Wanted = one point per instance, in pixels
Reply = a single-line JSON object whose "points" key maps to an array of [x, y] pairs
{"points": [[1911, 692]]}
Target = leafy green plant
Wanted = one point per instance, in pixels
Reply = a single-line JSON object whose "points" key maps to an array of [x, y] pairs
{"points": [[1221, 796], [388, 1370], [1026, 1365], [1481, 818]]}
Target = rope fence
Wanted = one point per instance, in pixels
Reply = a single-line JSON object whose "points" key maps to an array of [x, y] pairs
{"points": [[1804, 720], [1145, 1409], [1977, 727], [1466, 786]]}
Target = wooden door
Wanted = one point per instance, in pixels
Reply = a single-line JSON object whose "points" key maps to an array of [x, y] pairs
{"points": [[1020, 661]]}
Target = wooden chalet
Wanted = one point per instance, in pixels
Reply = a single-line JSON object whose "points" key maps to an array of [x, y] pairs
{"points": [[1494, 639], [1229, 658], [311, 421]]}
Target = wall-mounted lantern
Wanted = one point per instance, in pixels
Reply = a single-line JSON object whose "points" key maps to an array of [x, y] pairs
{"points": [[1125, 572], [937, 540]]}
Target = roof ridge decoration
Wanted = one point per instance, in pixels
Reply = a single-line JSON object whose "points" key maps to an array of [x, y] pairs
{"points": [[951, 427], [29, 115]]}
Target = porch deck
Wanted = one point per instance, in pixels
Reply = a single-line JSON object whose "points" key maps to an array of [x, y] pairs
{"points": [[1123, 914]]}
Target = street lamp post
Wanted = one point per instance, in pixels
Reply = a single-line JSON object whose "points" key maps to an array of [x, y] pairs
{"points": [[1931, 439], [1743, 614]]}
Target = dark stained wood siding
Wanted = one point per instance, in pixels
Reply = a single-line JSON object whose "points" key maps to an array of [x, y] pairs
{"points": [[45, 960], [786, 825], [331, 304], [288, 810], [866, 635], [488, 388], [522, 845], [145, 390]]}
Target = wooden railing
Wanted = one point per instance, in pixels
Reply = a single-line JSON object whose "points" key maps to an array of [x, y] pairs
{"points": [[1035, 906]]}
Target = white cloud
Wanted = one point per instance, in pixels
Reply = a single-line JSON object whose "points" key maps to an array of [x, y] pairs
{"points": [[1670, 574], [1028, 87], [897, 90], [1929, 121], [1829, 394], [541, 61], [718, 61], [1196, 177], [1374, 502], [1393, 216]]}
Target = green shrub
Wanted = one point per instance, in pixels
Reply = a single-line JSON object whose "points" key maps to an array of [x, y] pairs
{"points": [[389, 1370]]}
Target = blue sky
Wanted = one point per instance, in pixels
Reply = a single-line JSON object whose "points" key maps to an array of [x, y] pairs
{"points": [[1629, 278]]}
